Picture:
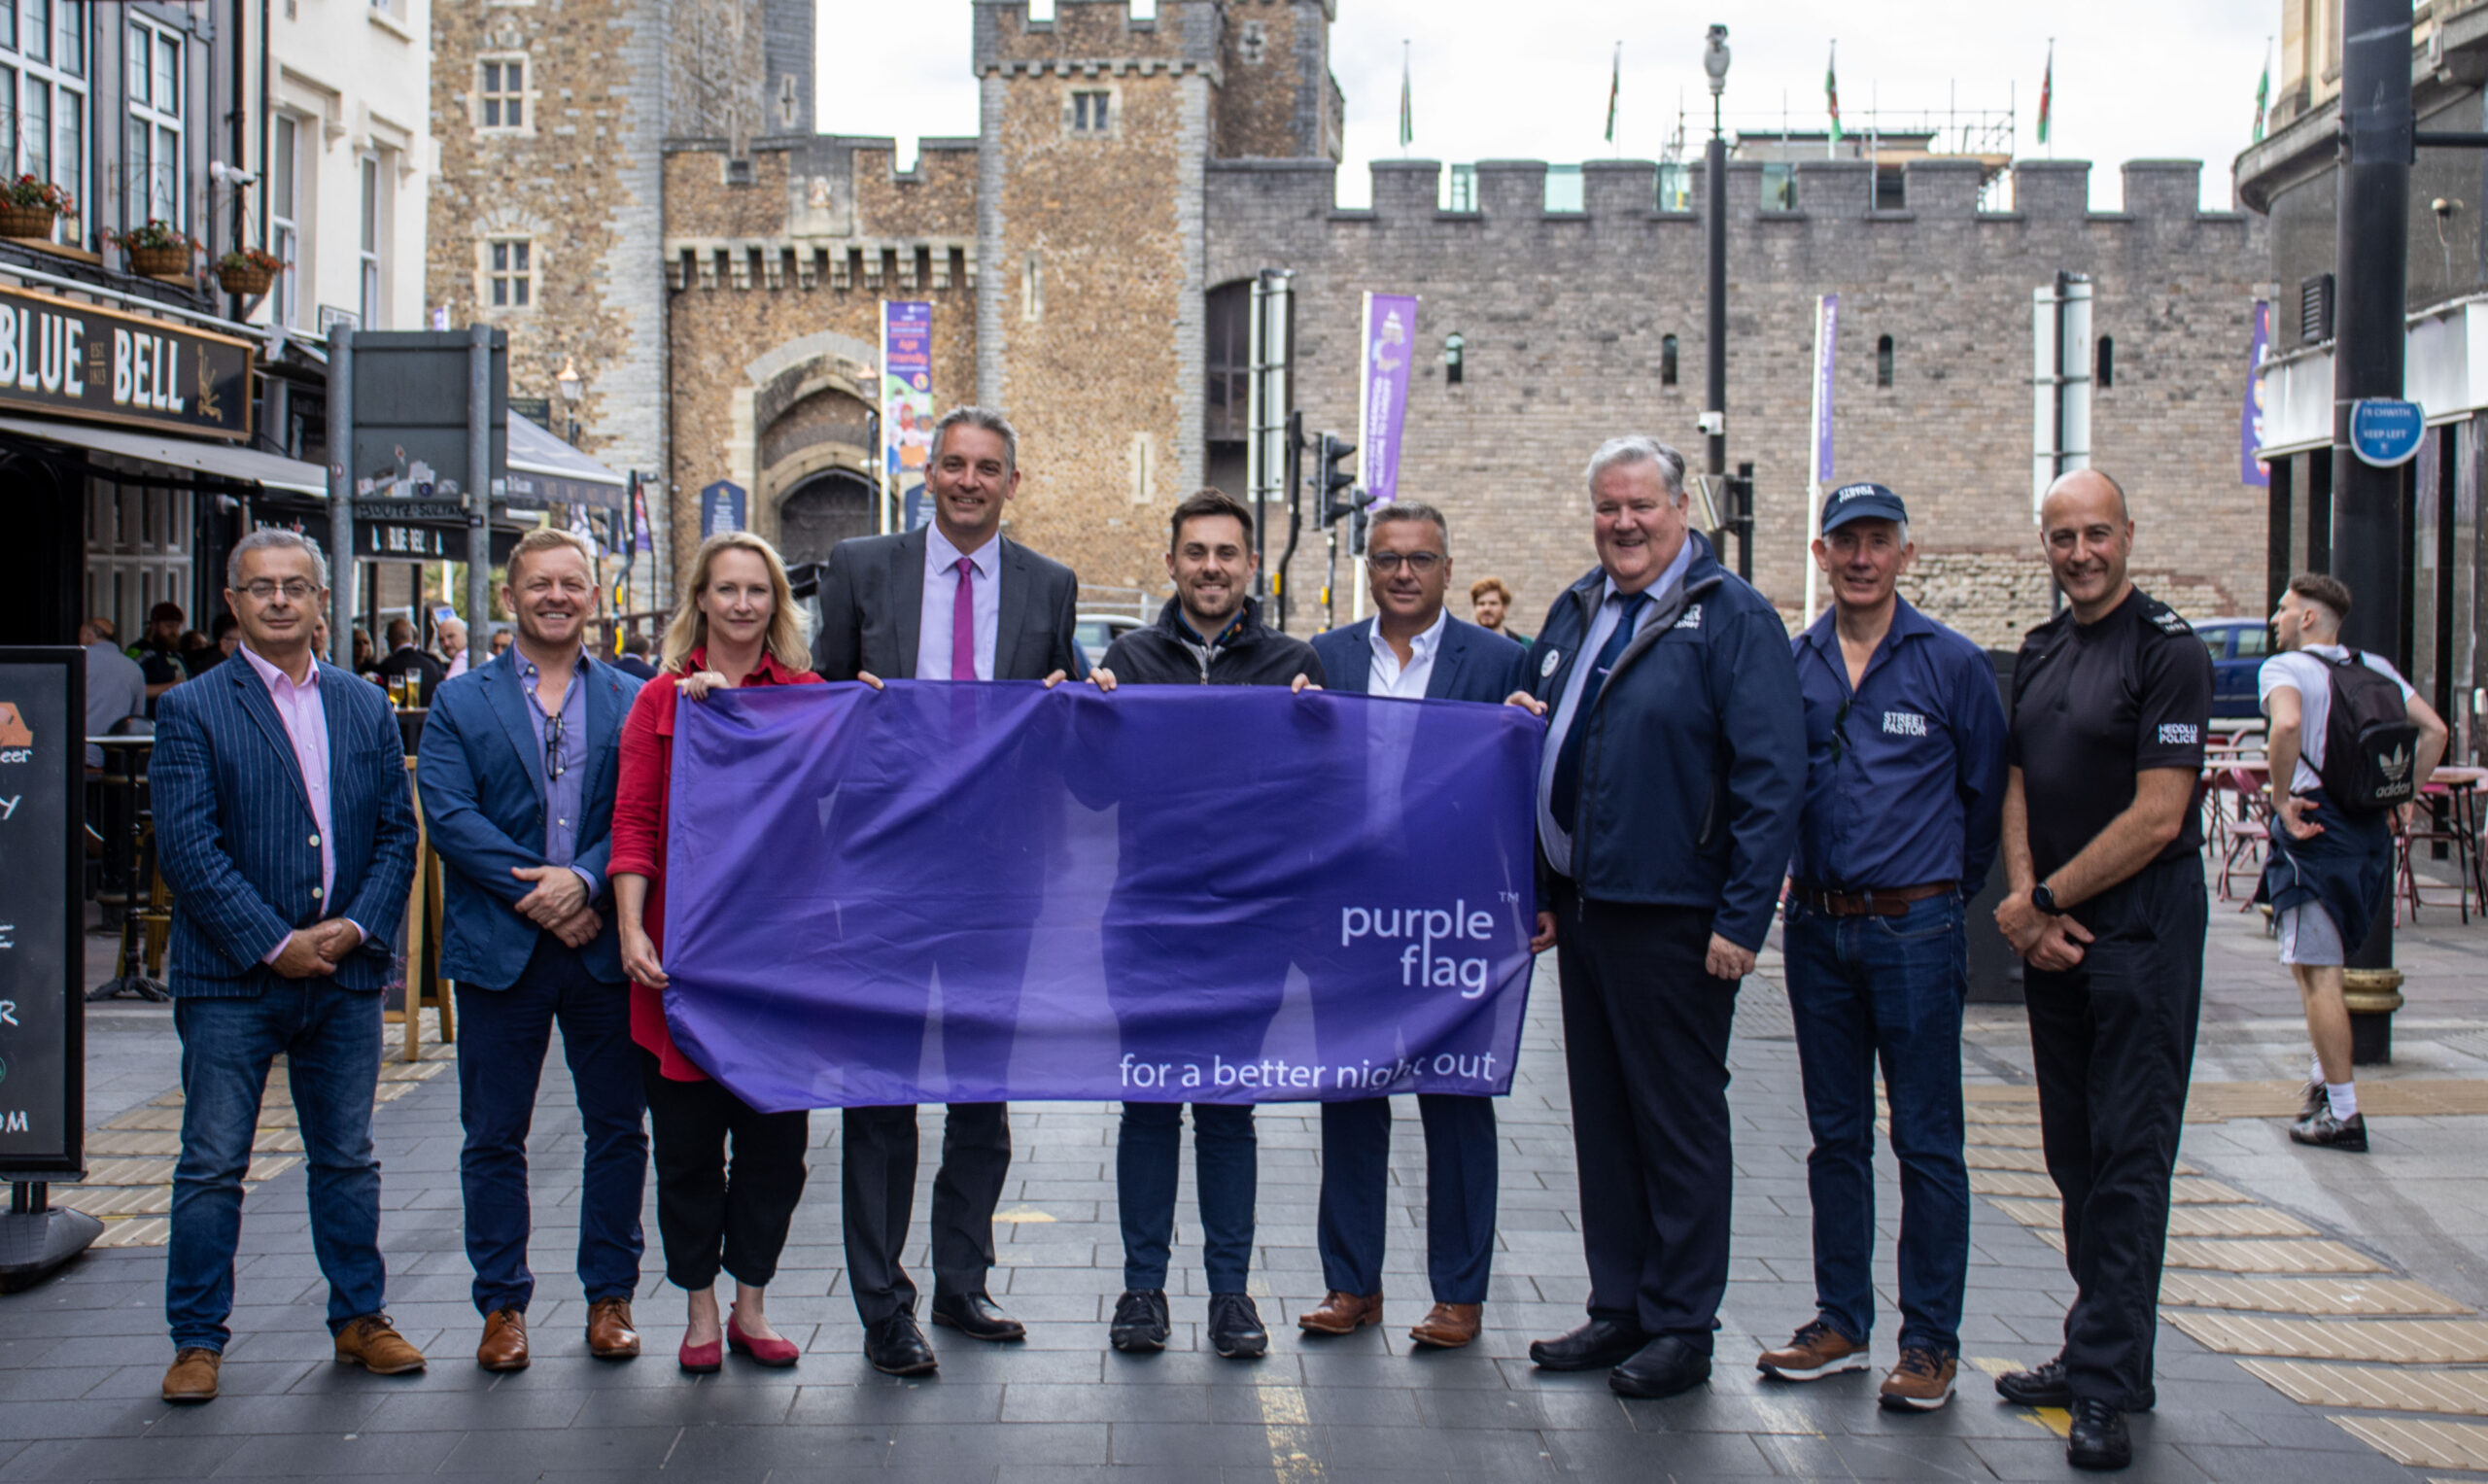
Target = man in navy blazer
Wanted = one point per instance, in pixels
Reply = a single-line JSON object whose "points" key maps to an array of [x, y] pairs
{"points": [[516, 777], [285, 831], [1412, 649]]}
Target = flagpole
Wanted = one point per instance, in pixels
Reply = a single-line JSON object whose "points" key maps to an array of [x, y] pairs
{"points": [[1407, 115]]}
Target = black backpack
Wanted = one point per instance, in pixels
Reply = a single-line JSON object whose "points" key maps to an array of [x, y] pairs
{"points": [[2369, 742]]}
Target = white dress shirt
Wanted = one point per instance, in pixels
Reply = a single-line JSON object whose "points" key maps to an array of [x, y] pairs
{"points": [[1386, 677], [942, 593]]}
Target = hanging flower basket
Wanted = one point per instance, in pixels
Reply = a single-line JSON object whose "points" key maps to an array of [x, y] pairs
{"points": [[159, 261], [27, 220], [247, 273], [28, 207]]}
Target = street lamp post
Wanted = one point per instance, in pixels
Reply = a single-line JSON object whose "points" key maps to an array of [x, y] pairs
{"points": [[1714, 189], [572, 386], [2369, 517]]}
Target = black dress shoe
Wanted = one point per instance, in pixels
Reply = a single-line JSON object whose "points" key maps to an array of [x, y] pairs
{"points": [[977, 1316], [2042, 1385], [1140, 1325], [2098, 1438], [1663, 1367], [1594, 1346], [897, 1348]]}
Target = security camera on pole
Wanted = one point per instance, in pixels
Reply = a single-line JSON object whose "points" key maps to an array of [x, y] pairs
{"points": [[1715, 210]]}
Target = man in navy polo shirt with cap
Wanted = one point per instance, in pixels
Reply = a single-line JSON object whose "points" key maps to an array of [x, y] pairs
{"points": [[1904, 798]]}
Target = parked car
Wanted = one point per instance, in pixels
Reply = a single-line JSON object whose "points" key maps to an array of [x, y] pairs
{"points": [[1097, 630], [2240, 647]]}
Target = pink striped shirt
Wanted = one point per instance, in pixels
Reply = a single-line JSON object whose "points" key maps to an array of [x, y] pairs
{"points": [[306, 725]]}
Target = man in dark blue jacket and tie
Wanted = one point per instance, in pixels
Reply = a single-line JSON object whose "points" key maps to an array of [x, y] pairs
{"points": [[285, 831], [1667, 800], [516, 777], [1412, 649]]}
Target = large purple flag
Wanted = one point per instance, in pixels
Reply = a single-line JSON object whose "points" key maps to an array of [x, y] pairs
{"points": [[974, 892]]}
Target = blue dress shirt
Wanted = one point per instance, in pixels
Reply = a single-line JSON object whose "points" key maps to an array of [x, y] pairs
{"points": [[1903, 774]]}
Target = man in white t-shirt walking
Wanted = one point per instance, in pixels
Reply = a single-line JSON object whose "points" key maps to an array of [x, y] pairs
{"points": [[2331, 865]]}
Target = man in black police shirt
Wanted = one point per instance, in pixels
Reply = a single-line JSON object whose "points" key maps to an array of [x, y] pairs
{"points": [[2101, 842]]}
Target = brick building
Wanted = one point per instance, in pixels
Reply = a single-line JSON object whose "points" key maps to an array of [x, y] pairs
{"points": [[1082, 252]]}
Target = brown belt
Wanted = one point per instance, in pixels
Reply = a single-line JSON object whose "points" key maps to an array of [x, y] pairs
{"points": [[1894, 902]]}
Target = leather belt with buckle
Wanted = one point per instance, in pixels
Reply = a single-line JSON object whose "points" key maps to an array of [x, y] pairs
{"points": [[1891, 902]]}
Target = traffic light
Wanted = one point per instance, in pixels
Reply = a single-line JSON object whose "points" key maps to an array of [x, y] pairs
{"points": [[1332, 482]]}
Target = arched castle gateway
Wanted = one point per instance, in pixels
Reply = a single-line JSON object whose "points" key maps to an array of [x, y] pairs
{"points": [[1081, 255]]}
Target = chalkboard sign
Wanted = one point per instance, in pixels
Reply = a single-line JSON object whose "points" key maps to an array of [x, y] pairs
{"points": [[43, 1057]]}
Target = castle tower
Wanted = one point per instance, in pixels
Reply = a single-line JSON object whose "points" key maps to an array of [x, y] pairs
{"points": [[1097, 128]]}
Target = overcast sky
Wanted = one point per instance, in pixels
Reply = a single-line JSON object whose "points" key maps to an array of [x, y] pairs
{"points": [[2134, 79]]}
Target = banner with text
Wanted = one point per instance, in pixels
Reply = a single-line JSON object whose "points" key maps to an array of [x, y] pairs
{"points": [[907, 404], [1390, 345], [971, 892]]}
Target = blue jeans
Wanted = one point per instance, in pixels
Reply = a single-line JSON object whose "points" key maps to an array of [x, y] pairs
{"points": [[1888, 989], [500, 1060], [1149, 1158], [330, 1040]]}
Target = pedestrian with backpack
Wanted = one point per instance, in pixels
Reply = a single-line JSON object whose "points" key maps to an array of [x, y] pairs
{"points": [[2350, 742]]}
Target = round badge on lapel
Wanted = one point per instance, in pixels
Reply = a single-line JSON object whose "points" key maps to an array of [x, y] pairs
{"points": [[1547, 667]]}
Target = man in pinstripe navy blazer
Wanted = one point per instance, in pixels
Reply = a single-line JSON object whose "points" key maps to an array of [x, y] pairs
{"points": [[287, 834]]}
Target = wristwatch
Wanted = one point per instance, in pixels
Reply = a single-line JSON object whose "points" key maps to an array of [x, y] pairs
{"points": [[2045, 900]]}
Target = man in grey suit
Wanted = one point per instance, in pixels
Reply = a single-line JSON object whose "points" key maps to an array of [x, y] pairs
{"points": [[952, 601]]}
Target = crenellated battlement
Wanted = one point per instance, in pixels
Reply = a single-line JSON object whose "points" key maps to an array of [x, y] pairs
{"points": [[2159, 192], [1095, 38]]}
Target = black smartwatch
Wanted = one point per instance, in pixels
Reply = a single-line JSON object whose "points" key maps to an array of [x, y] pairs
{"points": [[2045, 900]]}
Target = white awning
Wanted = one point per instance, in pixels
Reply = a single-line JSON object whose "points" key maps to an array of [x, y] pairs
{"points": [[222, 460], [542, 470]]}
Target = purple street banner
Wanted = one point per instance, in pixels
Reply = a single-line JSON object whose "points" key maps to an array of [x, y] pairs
{"points": [[973, 893], [2251, 467], [1390, 341], [907, 403]]}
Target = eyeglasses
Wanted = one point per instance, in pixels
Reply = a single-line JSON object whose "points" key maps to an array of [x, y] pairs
{"points": [[295, 591], [1421, 562], [555, 764], [1839, 728]]}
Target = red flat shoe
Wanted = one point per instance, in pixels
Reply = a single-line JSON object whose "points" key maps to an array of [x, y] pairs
{"points": [[702, 1359], [773, 1352]]}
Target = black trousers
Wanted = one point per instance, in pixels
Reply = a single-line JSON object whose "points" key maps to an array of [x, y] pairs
{"points": [[878, 1185], [2113, 1043], [1646, 1044], [713, 1210]]}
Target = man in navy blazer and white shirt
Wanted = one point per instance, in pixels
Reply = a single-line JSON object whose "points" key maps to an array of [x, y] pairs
{"points": [[516, 777], [952, 601], [1412, 649], [286, 833]]}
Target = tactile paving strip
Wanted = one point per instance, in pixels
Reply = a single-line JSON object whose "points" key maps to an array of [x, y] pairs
{"points": [[1990, 1114], [2032, 1163], [2183, 1220], [2414, 1444], [2379, 1388], [2400, 1341], [2251, 1256], [2305, 1295], [2005, 1135]]}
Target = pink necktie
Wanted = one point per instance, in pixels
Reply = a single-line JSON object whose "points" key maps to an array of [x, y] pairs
{"points": [[963, 624]]}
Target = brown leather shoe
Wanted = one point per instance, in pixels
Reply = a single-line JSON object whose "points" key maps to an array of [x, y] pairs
{"points": [[1341, 1314], [193, 1377], [504, 1346], [1449, 1325], [374, 1344], [609, 1336]]}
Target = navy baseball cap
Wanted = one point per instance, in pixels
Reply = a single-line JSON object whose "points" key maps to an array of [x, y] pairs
{"points": [[1861, 502]]}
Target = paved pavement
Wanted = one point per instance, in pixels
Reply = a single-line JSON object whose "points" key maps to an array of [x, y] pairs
{"points": [[81, 1357]]}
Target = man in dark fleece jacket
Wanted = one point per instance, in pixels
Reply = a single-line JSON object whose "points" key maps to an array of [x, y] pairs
{"points": [[1209, 634], [1668, 802]]}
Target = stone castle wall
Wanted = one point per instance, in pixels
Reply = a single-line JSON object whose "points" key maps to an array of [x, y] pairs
{"points": [[1565, 315]]}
